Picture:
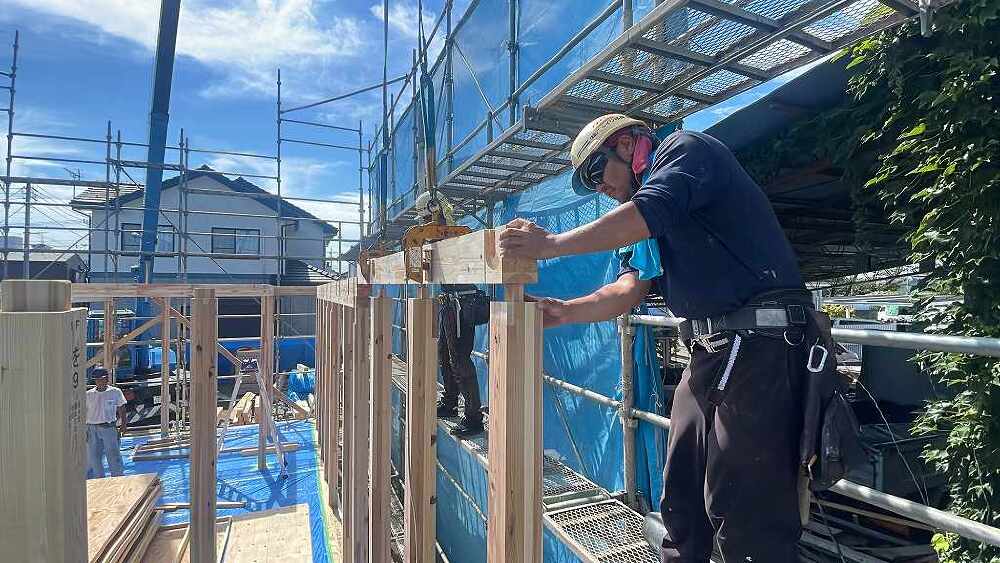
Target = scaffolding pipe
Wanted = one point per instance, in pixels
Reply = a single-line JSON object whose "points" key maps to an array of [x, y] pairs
{"points": [[581, 391], [975, 345], [938, 519], [10, 152], [626, 332]]}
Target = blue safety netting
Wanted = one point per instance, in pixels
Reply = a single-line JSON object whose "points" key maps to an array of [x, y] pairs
{"points": [[240, 480]]}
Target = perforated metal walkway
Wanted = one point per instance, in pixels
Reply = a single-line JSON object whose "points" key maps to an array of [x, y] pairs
{"points": [[683, 56], [579, 512]]}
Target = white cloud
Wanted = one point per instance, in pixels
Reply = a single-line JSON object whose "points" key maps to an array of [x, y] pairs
{"points": [[404, 19], [247, 40]]}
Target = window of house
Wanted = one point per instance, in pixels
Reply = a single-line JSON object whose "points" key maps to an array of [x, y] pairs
{"points": [[235, 241], [131, 238]]}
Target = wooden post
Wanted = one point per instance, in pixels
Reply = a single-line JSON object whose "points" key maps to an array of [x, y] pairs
{"points": [[320, 364], [266, 369], [332, 392], [164, 367], [381, 424], [361, 413], [204, 364], [42, 427], [515, 430], [109, 338], [421, 433], [351, 531]]}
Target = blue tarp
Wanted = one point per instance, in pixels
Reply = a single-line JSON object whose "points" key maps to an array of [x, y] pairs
{"points": [[240, 480]]}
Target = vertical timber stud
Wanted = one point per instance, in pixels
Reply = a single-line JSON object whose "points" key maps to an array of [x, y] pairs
{"points": [[109, 338], [380, 424], [352, 529], [421, 432], [515, 430], [266, 373], [204, 365], [165, 367], [320, 376], [43, 501], [334, 394], [360, 444]]}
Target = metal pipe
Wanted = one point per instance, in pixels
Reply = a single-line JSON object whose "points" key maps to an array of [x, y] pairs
{"points": [[625, 413], [652, 418], [975, 345], [382, 85], [513, 49], [26, 261], [939, 519], [582, 392], [573, 42]]}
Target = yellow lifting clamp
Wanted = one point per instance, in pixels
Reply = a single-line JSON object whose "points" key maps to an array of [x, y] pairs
{"points": [[414, 240]]}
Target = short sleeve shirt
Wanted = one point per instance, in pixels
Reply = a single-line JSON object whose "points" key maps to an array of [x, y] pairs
{"points": [[719, 238], [102, 406]]}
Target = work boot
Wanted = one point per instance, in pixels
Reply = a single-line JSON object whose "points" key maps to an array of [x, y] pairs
{"points": [[468, 428], [445, 410]]}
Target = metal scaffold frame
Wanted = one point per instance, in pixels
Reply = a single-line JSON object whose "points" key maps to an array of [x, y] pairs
{"points": [[678, 58], [42, 195]]}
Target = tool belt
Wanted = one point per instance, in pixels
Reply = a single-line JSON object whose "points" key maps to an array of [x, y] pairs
{"points": [[779, 309], [473, 303]]}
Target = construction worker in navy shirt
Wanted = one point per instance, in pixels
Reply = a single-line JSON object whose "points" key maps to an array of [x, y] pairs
{"points": [[695, 228]]}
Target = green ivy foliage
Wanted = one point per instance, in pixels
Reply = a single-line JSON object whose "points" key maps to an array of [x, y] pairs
{"points": [[919, 139]]}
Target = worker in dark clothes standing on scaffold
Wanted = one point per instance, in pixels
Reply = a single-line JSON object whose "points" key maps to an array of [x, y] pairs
{"points": [[461, 308], [695, 228]]}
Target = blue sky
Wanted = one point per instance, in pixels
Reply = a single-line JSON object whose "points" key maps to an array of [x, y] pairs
{"points": [[85, 62]]}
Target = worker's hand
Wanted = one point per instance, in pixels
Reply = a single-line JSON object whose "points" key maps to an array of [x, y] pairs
{"points": [[555, 312], [523, 239]]}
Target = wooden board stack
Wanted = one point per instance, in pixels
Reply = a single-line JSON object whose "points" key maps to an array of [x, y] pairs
{"points": [[121, 520]]}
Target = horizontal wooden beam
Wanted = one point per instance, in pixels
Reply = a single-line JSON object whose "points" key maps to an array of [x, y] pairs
{"points": [[83, 292], [472, 258], [343, 292]]}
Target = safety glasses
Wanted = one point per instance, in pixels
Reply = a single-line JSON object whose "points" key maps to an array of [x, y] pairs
{"points": [[592, 172]]}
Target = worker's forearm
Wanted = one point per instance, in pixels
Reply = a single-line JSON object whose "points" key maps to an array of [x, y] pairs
{"points": [[621, 227], [604, 304]]}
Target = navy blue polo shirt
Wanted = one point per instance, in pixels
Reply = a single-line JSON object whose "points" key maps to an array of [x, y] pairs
{"points": [[720, 241]]}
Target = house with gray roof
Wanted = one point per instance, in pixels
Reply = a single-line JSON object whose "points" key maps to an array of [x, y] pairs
{"points": [[213, 229]]}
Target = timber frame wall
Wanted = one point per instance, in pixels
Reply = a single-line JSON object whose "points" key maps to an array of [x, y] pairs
{"points": [[43, 369], [354, 364]]}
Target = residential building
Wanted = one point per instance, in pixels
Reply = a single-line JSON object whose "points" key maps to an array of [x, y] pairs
{"points": [[233, 234]]}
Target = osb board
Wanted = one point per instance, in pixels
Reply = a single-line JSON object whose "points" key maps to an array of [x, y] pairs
{"points": [[277, 535], [111, 502]]}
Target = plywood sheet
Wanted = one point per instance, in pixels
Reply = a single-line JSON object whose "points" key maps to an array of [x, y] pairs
{"points": [[111, 503], [269, 536]]}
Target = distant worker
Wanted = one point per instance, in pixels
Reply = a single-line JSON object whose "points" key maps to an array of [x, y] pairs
{"points": [[105, 423], [695, 228], [462, 307]]}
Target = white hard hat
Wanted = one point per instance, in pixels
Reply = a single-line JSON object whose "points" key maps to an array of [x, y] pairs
{"points": [[591, 138], [426, 206]]}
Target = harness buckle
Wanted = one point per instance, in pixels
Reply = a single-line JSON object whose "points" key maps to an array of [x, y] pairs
{"points": [[822, 359]]}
